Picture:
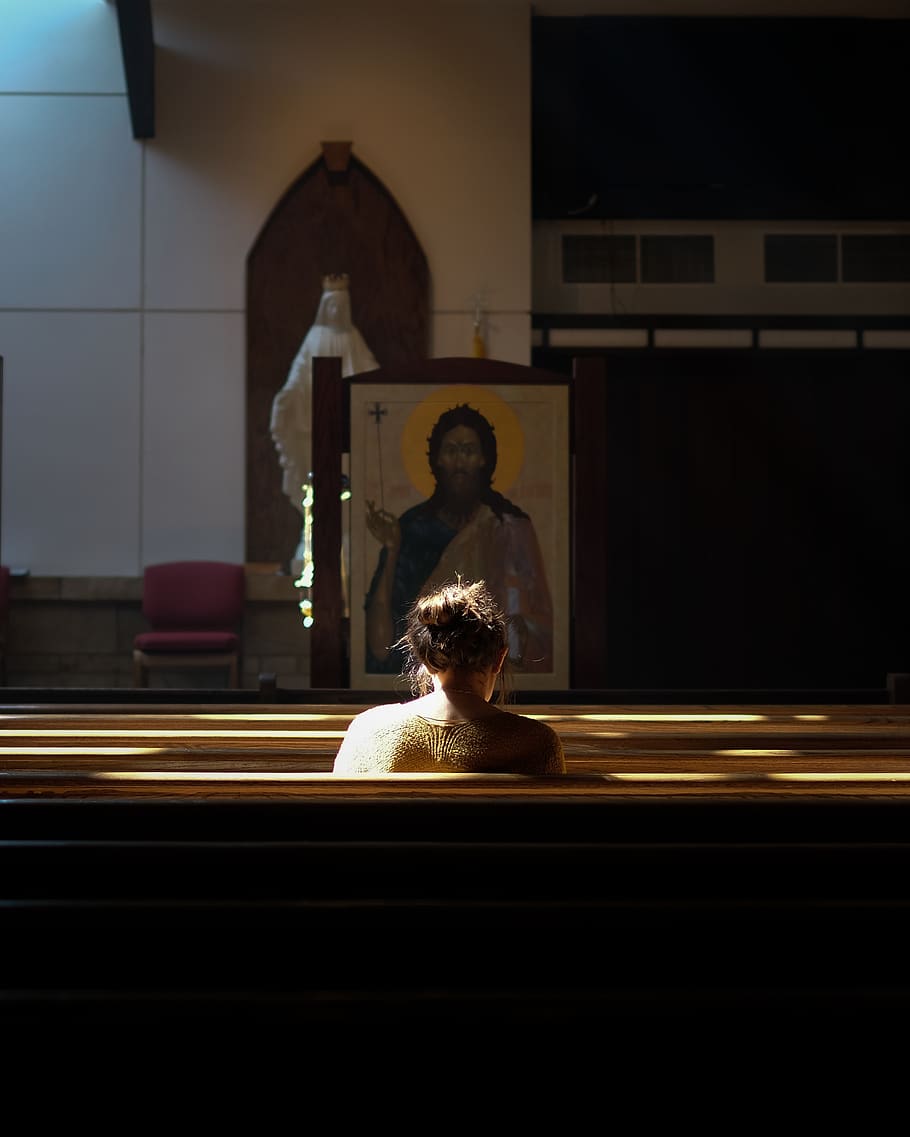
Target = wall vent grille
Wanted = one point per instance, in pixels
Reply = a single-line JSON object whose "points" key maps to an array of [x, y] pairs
{"points": [[876, 258], [677, 260], [786, 258], [598, 259], [801, 258], [812, 258]]}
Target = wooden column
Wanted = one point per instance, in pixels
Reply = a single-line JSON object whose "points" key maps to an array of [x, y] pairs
{"points": [[328, 642], [590, 639]]}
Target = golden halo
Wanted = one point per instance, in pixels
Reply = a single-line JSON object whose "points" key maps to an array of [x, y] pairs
{"points": [[510, 439]]}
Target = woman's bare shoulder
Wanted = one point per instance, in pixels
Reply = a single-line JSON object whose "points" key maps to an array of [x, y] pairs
{"points": [[532, 746], [382, 712], [522, 721]]}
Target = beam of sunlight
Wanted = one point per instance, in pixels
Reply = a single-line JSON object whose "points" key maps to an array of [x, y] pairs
{"points": [[303, 716], [567, 733], [759, 753], [800, 776], [201, 776], [290, 776], [106, 732], [112, 751], [844, 776], [675, 777], [598, 716], [307, 717]]}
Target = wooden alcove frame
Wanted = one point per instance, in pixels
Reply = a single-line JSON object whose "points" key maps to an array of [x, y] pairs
{"points": [[336, 217], [329, 666]]}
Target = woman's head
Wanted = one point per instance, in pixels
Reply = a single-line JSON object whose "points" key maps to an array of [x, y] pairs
{"points": [[456, 626]]}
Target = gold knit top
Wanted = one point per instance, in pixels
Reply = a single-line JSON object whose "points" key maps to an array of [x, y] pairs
{"points": [[393, 739]]}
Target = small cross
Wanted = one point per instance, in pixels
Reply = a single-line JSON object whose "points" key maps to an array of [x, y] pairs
{"points": [[377, 412]]}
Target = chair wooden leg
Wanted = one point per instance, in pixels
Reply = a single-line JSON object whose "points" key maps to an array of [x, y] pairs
{"points": [[898, 687], [234, 673], [140, 674]]}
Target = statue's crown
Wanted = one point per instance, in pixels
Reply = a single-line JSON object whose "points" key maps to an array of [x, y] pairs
{"points": [[334, 281]]}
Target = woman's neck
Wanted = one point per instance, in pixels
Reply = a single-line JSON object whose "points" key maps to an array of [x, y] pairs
{"points": [[457, 700], [458, 684]]}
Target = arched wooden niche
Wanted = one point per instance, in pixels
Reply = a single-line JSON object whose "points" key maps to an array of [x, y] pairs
{"points": [[337, 217]]}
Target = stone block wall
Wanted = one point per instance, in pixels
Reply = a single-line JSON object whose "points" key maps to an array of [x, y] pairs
{"points": [[78, 632]]}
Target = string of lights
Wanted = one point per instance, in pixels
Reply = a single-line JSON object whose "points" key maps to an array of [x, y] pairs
{"points": [[304, 582]]}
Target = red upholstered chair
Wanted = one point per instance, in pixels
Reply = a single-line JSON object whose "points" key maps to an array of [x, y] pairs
{"points": [[194, 610], [4, 616]]}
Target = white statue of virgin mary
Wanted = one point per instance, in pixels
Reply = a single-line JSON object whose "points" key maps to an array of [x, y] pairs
{"points": [[291, 425], [332, 334]]}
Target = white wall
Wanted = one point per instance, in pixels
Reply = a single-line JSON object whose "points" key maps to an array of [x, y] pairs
{"points": [[122, 263]]}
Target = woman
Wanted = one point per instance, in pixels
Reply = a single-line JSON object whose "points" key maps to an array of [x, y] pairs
{"points": [[456, 641]]}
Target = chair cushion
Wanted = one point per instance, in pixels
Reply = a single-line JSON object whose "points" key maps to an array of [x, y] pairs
{"points": [[193, 594], [187, 641]]}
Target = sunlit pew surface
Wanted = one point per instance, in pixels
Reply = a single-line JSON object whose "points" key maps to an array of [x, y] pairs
{"points": [[128, 750]]}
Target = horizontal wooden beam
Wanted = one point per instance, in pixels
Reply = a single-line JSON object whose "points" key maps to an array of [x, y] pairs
{"points": [[137, 45]]}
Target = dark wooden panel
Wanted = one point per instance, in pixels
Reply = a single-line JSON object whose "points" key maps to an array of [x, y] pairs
{"points": [[137, 46], [590, 634], [328, 638], [327, 222], [753, 499]]}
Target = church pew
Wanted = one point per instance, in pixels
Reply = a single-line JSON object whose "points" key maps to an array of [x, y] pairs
{"points": [[766, 749], [501, 910], [750, 873], [87, 779], [593, 730]]}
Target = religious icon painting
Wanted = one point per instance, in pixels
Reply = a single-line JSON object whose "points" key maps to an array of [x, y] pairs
{"points": [[460, 480]]}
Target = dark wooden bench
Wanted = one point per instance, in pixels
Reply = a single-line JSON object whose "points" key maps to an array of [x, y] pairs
{"points": [[128, 751], [502, 911], [670, 878]]}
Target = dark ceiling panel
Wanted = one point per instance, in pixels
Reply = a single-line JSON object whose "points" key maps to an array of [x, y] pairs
{"points": [[728, 118], [137, 44]]}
